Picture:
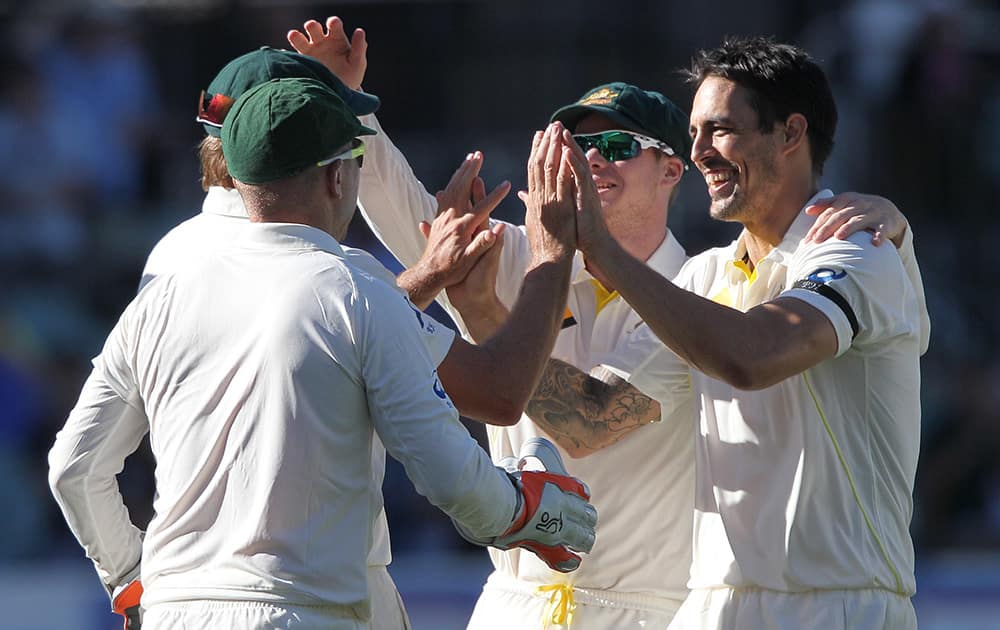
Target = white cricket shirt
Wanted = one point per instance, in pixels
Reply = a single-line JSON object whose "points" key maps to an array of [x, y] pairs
{"points": [[263, 370], [808, 484], [222, 217], [642, 486]]}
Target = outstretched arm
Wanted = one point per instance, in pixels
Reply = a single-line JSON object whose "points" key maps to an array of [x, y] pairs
{"points": [[844, 214], [516, 354], [458, 237], [587, 412], [750, 350], [392, 200]]}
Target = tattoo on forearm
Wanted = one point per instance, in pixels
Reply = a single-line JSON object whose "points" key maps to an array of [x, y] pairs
{"points": [[583, 412]]}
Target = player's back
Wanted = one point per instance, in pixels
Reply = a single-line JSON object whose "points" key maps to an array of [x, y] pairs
{"points": [[248, 366]]}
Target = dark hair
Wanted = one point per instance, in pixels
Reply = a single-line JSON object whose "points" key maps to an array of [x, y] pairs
{"points": [[782, 80]]}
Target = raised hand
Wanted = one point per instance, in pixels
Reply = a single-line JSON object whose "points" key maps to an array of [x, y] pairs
{"points": [[550, 201], [458, 237], [847, 213], [475, 296], [591, 230], [348, 59]]}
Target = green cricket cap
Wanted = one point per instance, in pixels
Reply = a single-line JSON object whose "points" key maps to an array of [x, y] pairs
{"points": [[280, 128], [261, 66], [649, 113]]}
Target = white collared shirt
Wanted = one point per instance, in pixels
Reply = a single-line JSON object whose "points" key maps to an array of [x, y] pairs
{"points": [[808, 484], [642, 486], [222, 217], [261, 372]]}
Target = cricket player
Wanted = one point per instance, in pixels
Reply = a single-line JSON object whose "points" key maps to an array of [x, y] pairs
{"points": [[466, 371], [804, 357], [638, 144], [262, 372]]}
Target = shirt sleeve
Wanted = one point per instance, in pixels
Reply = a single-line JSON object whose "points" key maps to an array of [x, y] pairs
{"points": [[862, 289], [391, 198], [106, 426], [418, 423], [652, 368], [909, 257], [437, 337]]}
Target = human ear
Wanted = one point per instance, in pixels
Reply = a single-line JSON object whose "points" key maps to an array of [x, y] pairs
{"points": [[335, 179], [672, 169], [794, 132]]}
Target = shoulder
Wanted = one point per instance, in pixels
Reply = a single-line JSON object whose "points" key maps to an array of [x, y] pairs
{"points": [[701, 269]]}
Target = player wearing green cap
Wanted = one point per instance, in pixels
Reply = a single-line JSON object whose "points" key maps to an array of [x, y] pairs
{"points": [[637, 144], [465, 369], [262, 370]]}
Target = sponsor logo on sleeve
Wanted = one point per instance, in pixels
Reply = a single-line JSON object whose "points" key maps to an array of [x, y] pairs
{"points": [[825, 276], [818, 282], [439, 390]]}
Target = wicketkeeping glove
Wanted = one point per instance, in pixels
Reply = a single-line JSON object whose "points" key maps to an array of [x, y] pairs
{"points": [[125, 602], [553, 515]]}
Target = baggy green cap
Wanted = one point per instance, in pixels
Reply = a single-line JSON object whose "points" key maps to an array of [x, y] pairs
{"points": [[282, 127], [261, 66], [646, 112]]}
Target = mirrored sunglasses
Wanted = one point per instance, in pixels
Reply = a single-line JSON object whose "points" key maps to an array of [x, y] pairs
{"points": [[618, 144], [212, 110]]}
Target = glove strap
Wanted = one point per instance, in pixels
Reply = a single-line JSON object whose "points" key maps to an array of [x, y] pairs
{"points": [[126, 602], [531, 484]]}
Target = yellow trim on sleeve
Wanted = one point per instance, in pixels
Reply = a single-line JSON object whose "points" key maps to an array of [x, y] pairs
{"points": [[854, 489], [560, 607]]}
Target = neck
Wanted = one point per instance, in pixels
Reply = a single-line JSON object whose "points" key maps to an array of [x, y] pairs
{"points": [[768, 225], [639, 246]]}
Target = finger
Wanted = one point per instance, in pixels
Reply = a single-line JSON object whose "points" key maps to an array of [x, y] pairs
{"points": [[359, 44], [579, 165], [843, 226], [480, 244], [315, 30], [425, 228], [458, 186], [523, 196], [553, 157], [829, 221], [481, 211], [478, 189], [536, 143], [564, 178], [577, 157], [298, 41], [856, 224], [335, 27]]}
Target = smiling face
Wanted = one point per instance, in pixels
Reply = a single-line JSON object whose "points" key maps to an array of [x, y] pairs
{"points": [[739, 162], [631, 191]]}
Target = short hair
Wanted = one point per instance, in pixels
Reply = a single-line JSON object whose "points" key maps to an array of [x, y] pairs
{"points": [[214, 171], [782, 80]]}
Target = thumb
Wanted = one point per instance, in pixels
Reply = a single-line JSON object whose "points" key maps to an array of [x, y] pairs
{"points": [[425, 228], [482, 242]]}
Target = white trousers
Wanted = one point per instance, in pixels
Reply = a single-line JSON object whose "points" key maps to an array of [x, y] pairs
{"points": [[736, 609], [387, 613], [510, 604]]}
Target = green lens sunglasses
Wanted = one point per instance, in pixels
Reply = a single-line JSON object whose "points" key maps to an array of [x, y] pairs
{"points": [[356, 152], [619, 144]]}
